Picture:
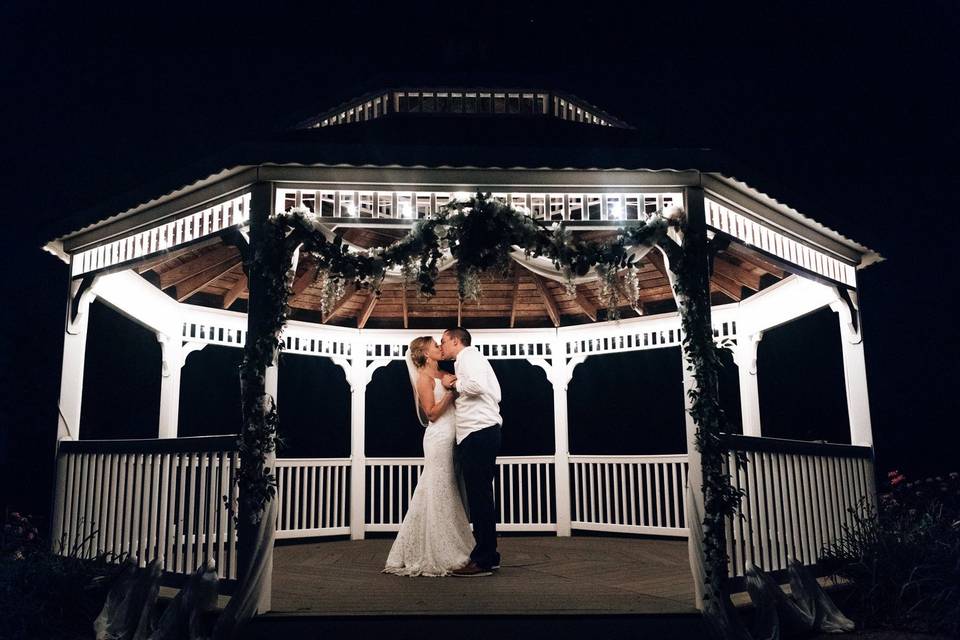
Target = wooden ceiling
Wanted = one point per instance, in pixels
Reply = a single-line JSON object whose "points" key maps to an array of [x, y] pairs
{"points": [[213, 276]]}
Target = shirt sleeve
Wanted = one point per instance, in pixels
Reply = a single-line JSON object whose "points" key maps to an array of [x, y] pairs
{"points": [[470, 375]]}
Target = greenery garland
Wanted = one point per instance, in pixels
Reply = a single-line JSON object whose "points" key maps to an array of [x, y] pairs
{"points": [[480, 234]]}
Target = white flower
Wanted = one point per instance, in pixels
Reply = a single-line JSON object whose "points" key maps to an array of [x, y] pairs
{"points": [[673, 212]]}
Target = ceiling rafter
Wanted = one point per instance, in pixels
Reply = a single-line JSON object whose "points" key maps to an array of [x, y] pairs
{"points": [[186, 288], [338, 306], [516, 295], [367, 309], [235, 291], [741, 276], [548, 299], [190, 269], [754, 259], [589, 309], [727, 286]]}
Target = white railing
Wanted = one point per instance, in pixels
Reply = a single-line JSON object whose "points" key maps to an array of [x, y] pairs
{"points": [[765, 237], [629, 494], [148, 499], [164, 498], [313, 497], [523, 487], [171, 234], [403, 207], [799, 496]]}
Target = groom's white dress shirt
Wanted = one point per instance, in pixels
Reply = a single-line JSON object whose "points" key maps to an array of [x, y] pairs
{"points": [[478, 405]]}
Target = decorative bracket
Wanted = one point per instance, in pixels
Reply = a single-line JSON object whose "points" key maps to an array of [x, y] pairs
{"points": [[847, 308], [172, 357], [367, 371], [344, 364], [745, 355], [558, 374], [80, 300]]}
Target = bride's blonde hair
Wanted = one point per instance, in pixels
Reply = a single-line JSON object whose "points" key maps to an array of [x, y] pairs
{"points": [[418, 350]]}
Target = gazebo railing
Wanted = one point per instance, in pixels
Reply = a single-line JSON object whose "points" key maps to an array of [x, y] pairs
{"points": [[523, 486], [629, 494], [313, 497], [158, 498], [164, 498], [798, 498]]}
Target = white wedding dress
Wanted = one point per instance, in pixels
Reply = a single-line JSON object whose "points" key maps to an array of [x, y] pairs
{"points": [[435, 536]]}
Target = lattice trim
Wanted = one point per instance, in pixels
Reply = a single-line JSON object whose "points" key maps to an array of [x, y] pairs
{"points": [[163, 237]]}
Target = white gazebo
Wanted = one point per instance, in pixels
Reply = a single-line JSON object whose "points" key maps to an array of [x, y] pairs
{"points": [[368, 169]]}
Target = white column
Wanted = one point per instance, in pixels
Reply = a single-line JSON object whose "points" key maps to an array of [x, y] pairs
{"points": [[358, 460], [745, 356], [694, 511], [855, 377], [71, 396], [172, 356], [71, 368], [561, 457]]}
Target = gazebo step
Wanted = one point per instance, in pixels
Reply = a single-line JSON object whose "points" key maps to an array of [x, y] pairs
{"points": [[466, 627]]}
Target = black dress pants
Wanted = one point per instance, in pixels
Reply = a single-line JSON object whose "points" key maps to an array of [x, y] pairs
{"points": [[477, 455]]}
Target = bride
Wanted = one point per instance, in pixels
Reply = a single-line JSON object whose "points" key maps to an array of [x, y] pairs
{"points": [[435, 537]]}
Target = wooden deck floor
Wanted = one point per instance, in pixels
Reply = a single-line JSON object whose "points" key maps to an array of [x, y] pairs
{"points": [[539, 576]]}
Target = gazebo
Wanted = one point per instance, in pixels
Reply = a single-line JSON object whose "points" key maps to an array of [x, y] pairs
{"points": [[366, 173]]}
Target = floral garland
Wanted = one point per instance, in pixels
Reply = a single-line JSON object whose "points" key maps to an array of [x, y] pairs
{"points": [[480, 234]]}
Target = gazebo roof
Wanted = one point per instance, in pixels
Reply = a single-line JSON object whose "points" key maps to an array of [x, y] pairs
{"points": [[446, 143]]}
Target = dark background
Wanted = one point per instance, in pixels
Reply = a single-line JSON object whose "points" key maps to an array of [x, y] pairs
{"points": [[845, 111]]}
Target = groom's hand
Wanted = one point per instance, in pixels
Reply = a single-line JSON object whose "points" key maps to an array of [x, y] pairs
{"points": [[449, 381]]}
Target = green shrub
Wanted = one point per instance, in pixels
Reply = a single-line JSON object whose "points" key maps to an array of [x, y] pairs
{"points": [[902, 559], [48, 596]]}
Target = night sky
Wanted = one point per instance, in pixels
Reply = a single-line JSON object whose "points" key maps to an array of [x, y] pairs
{"points": [[847, 113]]}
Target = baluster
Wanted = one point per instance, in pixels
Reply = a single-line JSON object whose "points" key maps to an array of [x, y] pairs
{"points": [[232, 532], [577, 497], [756, 506], [540, 468], [222, 526], [391, 469], [796, 506], [675, 493], [528, 512], [212, 507], [816, 500], [503, 505], [332, 497], [381, 513], [328, 505], [732, 554], [191, 531], [511, 486], [296, 497], [647, 490], [607, 516], [549, 480], [656, 492], [183, 462], [592, 504]]}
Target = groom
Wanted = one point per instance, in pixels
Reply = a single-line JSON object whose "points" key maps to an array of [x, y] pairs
{"points": [[478, 441]]}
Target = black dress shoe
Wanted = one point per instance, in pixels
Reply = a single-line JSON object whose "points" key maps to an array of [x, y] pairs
{"points": [[471, 570]]}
